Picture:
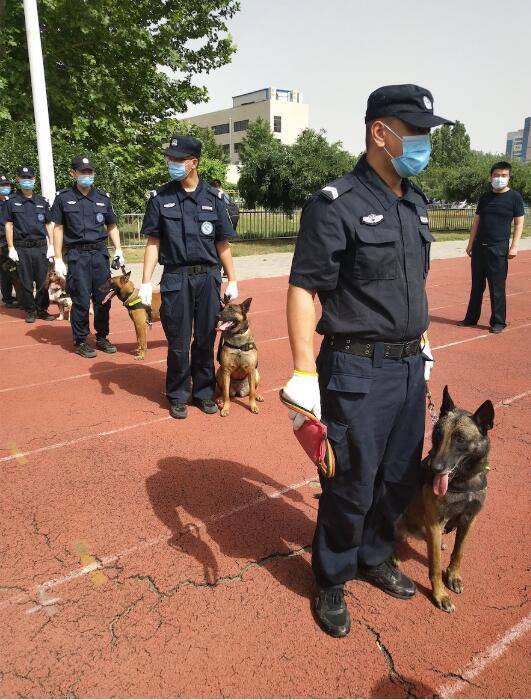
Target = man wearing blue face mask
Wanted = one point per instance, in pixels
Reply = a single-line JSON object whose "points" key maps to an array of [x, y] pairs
{"points": [[84, 218], [188, 232], [364, 248]]}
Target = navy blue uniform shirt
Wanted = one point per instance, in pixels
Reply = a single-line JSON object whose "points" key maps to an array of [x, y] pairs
{"points": [[29, 216], [3, 203], [367, 254], [187, 223], [84, 218]]}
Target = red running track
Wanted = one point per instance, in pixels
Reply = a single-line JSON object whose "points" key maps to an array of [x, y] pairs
{"points": [[143, 556]]}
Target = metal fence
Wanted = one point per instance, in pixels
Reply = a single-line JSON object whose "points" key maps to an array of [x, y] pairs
{"points": [[260, 225]]}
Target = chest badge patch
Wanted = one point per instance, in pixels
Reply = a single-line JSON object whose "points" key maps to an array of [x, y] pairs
{"points": [[206, 208], [169, 204], [99, 217], [424, 219], [372, 219], [72, 202], [100, 204], [207, 228], [17, 204], [40, 206], [40, 217]]}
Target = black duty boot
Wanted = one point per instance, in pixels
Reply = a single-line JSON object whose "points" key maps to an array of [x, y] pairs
{"points": [[497, 329], [207, 406], [85, 350], [45, 316], [331, 611], [178, 410], [30, 317], [105, 346], [389, 579], [466, 323]]}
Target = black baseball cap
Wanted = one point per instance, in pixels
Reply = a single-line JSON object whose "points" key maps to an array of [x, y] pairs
{"points": [[183, 146], [4, 180], [82, 163], [25, 171], [410, 103]]}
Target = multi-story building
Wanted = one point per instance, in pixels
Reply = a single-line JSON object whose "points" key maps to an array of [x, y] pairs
{"points": [[519, 142], [284, 110]]}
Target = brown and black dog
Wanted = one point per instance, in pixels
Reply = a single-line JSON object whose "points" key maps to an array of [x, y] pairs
{"points": [[453, 493], [238, 373], [56, 286], [142, 316]]}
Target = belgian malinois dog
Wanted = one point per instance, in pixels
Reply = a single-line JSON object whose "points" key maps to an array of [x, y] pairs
{"points": [[142, 316], [453, 493], [237, 374]]}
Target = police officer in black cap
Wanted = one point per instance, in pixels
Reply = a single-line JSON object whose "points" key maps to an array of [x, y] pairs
{"points": [[188, 230], [29, 242], [84, 217], [364, 248], [6, 284]]}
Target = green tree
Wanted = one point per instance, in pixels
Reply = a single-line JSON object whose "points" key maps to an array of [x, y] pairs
{"points": [[450, 145], [114, 67]]}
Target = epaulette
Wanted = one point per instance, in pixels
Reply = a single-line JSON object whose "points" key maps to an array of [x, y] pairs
{"points": [[336, 188], [160, 189], [419, 191], [105, 194], [213, 190], [65, 189]]}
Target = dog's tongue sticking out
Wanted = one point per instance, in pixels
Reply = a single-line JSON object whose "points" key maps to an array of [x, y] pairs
{"points": [[223, 326], [440, 484]]}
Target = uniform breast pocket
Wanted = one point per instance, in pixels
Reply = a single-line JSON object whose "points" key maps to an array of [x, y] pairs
{"points": [[99, 214], [171, 218], [427, 240], [72, 213], [376, 255], [207, 223]]}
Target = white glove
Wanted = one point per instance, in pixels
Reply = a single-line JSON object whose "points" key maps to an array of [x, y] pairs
{"points": [[427, 355], [232, 291], [118, 258], [60, 267], [13, 255], [145, 293], [50, 251], [303, 389]]}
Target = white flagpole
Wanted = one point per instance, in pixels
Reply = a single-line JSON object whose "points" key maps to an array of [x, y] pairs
{"points": [[40, 101]]}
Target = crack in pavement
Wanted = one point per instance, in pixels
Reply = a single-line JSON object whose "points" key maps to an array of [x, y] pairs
{"points": [[395, 677]]}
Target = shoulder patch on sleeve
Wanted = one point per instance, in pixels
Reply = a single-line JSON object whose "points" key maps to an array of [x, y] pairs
{"points": [[336, 188], [153, 193]]}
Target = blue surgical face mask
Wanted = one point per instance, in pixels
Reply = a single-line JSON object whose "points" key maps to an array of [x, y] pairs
{"points": [[85, 180], [27, 184], [500, 182], [416, 151], [177, 171], [4, 191]]}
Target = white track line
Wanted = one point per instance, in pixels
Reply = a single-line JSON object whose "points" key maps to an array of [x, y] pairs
{"points": [[487, 298], [481, 661], [477, 337]]}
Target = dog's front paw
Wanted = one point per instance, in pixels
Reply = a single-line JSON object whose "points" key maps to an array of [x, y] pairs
{"points": [[225, 411], [260, 398], [444, 602], [254, 409], [453, 581], [140, 356]]}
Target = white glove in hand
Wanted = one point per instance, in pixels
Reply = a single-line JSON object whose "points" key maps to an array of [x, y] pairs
{"points": [[145, 293], [50, 251], [303, 389], [232, 290], [13, 255], [427, 355], [119, 257], [60, 267]]}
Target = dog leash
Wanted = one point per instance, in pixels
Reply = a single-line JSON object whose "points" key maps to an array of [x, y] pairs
{"points": [[431, 406]]}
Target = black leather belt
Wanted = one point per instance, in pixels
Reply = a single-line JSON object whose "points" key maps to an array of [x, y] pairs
{"points": [[355, 346], [31, 244], [100, 245], [189, 269]]}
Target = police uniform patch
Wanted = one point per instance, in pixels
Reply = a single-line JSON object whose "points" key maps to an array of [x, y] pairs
{"points": [[70, 202], [99, 217], [40, 217], [206, 208], [372, 219], [174, 142], [427, 102], [207, 228], [40, 206], [424, 220], [169, 204], [17, 204], [24, 170], [85, 160], [100, 204], [330, 192]]}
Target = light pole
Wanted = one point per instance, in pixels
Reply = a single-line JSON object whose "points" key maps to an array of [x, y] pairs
{"points": [[40, 101]]}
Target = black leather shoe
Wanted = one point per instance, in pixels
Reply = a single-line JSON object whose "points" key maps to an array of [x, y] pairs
{"points": [[389, 579], [466, 323], [497, 329], [85, 350], [178, 410], [45, 316], [105, 346], [207, 406], [30, 317], [331, 611], [12, 304]]}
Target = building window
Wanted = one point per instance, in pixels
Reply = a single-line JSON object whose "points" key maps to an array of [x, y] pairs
{"points": [[241, 126], [277, 124], [237, 147], [226, 148], [220, 129]]}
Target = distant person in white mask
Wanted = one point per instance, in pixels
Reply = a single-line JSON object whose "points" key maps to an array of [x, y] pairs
{"points": [[489, 248]]}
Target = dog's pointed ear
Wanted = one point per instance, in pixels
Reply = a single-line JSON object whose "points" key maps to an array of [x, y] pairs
{"points": [[246, 305], [484, 417], [127, 275], [225, 300], [447, 402]]}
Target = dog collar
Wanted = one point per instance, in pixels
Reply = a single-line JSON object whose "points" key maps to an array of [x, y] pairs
{"points": [[242, 348], [465, 488]]}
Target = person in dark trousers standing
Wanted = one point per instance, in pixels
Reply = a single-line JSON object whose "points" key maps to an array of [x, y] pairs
{"points": [[6, 285], [188, 229], [364, 248], [489, 249], [84, 218], [29, 242]]}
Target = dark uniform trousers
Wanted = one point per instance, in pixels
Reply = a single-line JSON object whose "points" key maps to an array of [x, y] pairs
{"points": [[489, 263], [87, 271], [190, 306], [6, 283], [33, 267], [374, 410]]}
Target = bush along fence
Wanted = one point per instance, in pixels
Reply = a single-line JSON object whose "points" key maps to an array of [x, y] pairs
{"points": [[260, 225]]}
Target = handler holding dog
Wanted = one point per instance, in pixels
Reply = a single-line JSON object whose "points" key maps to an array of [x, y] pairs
{"points": [[188, 230], [364, 248]]}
